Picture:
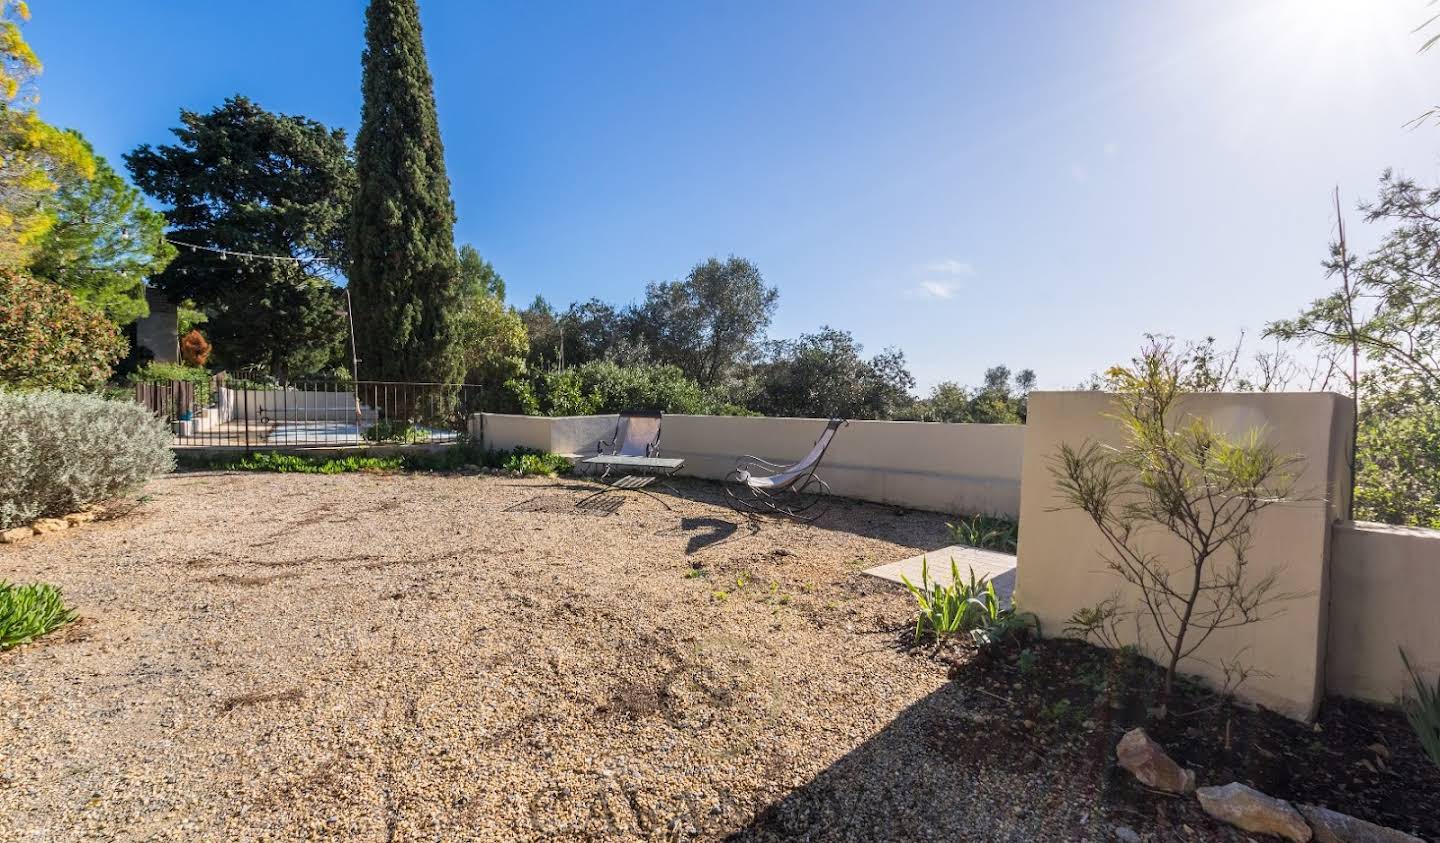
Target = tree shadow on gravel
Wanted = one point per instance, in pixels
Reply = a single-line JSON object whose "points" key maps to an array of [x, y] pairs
{"points": [[939, 771]]}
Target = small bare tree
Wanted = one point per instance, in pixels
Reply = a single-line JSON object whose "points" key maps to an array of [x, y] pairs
{"points": [[1181, 476]]}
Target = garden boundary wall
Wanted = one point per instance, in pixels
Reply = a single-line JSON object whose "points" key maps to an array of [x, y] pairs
{"points": [[951, 468]]}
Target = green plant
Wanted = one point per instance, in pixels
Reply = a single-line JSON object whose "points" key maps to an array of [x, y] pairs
{"points": [[1027, 662], [61, 452], [1099, 623], [947, 609], [524, 461], [296, 463], [962, 606], [49, 340], [1178, 473], [989, 532], [30, 611], [1058, 711], [999, 625], [163, 373], [392, 431], [1423, 711]]}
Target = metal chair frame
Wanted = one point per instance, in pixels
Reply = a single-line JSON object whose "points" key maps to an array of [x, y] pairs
{"points": [[797, 498]]}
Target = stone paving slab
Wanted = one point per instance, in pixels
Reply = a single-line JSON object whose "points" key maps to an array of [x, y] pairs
{"points": [[998, 567]]}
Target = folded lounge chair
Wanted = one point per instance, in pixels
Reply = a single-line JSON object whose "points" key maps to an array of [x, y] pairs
{"points": [[637, 434], [635, 451], [758, 486]]}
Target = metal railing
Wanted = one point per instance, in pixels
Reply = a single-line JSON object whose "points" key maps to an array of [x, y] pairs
{"points": [[316, 414]]}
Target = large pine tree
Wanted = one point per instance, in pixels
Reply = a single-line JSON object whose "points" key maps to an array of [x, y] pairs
{"points": [[404, 278]]}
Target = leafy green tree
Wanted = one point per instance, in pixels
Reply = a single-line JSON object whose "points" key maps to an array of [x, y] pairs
{"points": [[49, 340], [592, 329], [1387, 310], [603, 386], [542, 326], [246, 180], [404, 274], [1398, 445], [104, 243], [710, 322], [999, 401], [35, 157], [825, 374], [477, 275], [493, 346], [1389, 305]]}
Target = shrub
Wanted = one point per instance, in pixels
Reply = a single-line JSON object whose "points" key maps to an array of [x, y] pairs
{"points": [[294, 463], [30, 611], [524, 461], [60, 452], [49, 340], [401, 432], [603, 386], [989, 532], [167, 372]]}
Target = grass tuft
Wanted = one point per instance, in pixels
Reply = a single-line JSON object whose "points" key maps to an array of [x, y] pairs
{"points": [[30, 611]]}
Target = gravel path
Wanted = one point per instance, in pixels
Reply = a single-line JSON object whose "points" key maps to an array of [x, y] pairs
{"points": [[443, 657]]}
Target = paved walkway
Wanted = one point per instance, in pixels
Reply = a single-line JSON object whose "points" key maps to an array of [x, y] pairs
{"points": [[998, 567]]}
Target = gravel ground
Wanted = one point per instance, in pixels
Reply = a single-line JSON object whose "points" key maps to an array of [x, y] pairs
{"points": [[445, 657]]}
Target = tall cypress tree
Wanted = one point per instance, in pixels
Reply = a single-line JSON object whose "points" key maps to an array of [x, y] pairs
{"points": [[404, 277]]}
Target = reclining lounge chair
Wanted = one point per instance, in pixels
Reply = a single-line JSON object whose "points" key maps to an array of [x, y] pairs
{"points": [[758, 486]]}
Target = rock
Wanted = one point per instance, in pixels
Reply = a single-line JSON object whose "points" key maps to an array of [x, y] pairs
{"points": [[1146, 760], [1249, 809], [1335, 827], [15, 534], [76, 518], [48, 525], [1126, 834]]}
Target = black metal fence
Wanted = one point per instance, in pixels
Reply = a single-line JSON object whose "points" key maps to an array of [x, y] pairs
{"points": [[314, 414]]}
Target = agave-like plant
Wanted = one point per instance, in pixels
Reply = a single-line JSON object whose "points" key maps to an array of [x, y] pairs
{"points": [[1423, 711], [988, 532], [971, 606], [29, 611]]}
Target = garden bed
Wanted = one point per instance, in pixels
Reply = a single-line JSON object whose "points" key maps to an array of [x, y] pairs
{"points": [[1060, 696]]}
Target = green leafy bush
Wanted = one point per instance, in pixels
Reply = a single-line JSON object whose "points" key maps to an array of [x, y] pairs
{"points": [[603, 386], [524, 461], [163, 373], [61, 452], [397, 432], [30, 611], [296, 464], [521, 461], [989, 532], [50, 340], [1397, 477]]}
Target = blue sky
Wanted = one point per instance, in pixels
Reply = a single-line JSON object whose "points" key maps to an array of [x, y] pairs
{"points": [[1027, 183]]}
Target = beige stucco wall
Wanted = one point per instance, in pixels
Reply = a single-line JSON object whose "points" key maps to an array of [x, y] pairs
{"points": [[949, 468], [1061, 566], [1385, 594]]}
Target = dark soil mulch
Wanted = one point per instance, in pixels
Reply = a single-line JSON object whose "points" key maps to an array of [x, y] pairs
{"points": [[1076, 700]]}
